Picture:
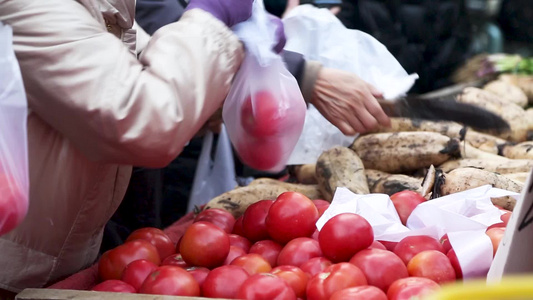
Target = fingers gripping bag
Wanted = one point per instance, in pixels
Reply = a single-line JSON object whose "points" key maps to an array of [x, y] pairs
{"points": [[14, 177], [264, 111]]}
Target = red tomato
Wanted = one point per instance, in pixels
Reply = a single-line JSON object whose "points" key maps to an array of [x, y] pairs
{"points": [[335, 278], [298, 251], [381, 267], [389, 245], [238, 227], [178, 245], [157, 237], [365, 292], [432, 264], [175, 260], [377, 245], [260, 153], [294, 276], [253, 221], [220, 217], [136, 272], [224, 282], [112, 263], [405, 202], [412, 288], [292, 215], [234, 252], [315, 265], [260, 115], [114, 285], [204, 245], [199, 274], [253, 263], [321, 206], [268, 249], [445, 242], [240, 241], [170, 280], [410, 246], [344, 235], [496, 236], [455, 263], [265, 286], [13, 203]]}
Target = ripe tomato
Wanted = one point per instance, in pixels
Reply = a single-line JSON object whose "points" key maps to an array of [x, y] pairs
{"points": [[220, 217], [377, 245], [321, 206], [175, 260], [455, 263], [112, 263], [13, 203], [114, 285], [432, 264], [505, 218], [410, 246], [365, 292], [240, 241], [315, 265], [253, 263], [496, 236], [265, 286], [412, 288], [381, 267], [298, 251], [260, 153], [136, 272], [344, 235], [170, 280], [224, 282], [204, 245], [315, 234], [445, 242], [292, 215], [260, 115], [268, 249], [389, 245], [234, 252], [405, 202], [238, 227], [253, 221], [335, 278], [157, 237], [199, 274], [294, 276]]}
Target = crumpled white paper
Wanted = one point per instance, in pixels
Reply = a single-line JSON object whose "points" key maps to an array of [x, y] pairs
{"points": [[464, 216], [320, 36]]}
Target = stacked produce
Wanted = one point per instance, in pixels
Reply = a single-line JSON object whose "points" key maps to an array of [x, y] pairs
{"points": [[261, 241]]}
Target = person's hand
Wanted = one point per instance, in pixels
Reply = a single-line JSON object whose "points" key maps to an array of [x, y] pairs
{"points": [[279, 34], [348, 102], [230, 12]]}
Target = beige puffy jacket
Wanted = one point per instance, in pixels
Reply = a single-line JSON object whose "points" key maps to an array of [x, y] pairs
{"points": [[95, 110]]}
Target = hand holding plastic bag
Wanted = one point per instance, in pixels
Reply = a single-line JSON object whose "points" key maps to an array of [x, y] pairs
{"points": [[264, 111], [14, 181]]}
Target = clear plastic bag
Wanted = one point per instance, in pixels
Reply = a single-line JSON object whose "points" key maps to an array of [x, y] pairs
{"points": [[265, 110], [14, 177], [213, 176]]}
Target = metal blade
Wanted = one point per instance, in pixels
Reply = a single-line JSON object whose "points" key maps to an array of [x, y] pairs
{"points": [[445, 109]]}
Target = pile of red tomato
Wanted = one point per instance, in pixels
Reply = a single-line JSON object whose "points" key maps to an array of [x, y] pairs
{"points": [[274, 251]]}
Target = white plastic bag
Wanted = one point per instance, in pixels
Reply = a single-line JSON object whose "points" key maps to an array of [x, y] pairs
{"points": [[14, 177], [213, 176], [264, 111], [320, 36]]}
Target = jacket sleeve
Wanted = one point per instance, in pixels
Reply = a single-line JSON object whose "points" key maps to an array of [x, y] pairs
{"points": [[305, 72], [152, 15], [85, 84]]}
